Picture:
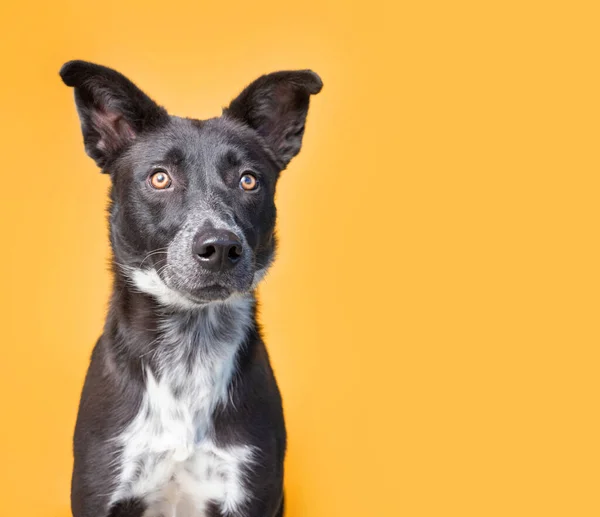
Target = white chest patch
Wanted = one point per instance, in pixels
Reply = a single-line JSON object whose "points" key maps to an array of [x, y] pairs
{"points": [[169, 458]]}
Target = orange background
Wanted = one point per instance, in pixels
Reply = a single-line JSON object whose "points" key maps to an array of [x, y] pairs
{"points": [[433, 313]]}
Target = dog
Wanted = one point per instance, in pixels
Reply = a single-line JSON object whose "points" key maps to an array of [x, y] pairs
{"points": [[180, 414]]}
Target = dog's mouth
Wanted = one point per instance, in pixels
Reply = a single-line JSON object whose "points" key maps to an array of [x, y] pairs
{"points": [[188, 296], [206, 290]]}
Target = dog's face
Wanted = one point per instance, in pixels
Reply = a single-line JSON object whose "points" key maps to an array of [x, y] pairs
{"points": [[192, 214]]}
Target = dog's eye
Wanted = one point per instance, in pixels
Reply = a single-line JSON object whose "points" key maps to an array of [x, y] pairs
{"points": [[249, 182], [160, 180]]}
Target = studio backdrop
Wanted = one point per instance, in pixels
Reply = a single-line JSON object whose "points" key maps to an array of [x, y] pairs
{"points": [[432, 313]]}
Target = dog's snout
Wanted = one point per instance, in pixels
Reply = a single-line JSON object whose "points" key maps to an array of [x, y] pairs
{"points": [[217, 250]]}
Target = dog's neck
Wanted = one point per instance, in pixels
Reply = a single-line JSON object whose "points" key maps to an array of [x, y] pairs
{"points": [[144, 334]]}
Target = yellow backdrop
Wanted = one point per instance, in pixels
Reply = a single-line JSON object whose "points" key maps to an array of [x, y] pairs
{"points": [[433, 312]]}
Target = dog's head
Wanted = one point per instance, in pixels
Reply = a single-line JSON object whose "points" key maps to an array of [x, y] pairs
{"points": [[192, 203]]}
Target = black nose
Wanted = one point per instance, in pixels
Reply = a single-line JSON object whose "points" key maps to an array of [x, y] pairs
{"points": [[217, 250]]}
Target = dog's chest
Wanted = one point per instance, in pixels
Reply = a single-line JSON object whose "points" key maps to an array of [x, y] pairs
{"points": [[169, 456], [171, 462]]}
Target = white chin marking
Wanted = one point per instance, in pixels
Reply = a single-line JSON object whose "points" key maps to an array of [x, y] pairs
{"points": [[148, 281]]}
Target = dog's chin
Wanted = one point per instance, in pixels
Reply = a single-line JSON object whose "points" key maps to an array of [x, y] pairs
{"points": [[190, 285], [209, 293]]}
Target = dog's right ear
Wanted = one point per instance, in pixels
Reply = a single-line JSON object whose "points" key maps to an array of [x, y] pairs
{"points": [[113, 111]]}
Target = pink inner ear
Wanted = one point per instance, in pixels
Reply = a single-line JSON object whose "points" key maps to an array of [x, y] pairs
{"points": [[115, 132]]}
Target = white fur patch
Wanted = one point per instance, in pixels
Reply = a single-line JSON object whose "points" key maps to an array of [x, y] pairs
{"points": [[169, 458], [148, 281]]}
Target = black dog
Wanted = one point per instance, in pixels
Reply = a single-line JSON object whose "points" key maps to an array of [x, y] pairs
{"points": [[180, 413]]}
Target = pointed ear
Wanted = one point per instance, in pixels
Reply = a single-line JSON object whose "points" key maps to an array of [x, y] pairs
{"points": [[275, 105], [113, 111]]}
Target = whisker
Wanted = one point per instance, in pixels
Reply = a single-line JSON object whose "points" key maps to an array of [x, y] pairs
{"points": [[163, 268], [157, 251]]}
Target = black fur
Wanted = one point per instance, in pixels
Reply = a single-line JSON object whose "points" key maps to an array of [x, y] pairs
{"points": [[129, 136]]}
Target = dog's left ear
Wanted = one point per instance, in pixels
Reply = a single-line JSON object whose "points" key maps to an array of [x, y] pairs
{"points": [[275, 105], [113, 111]]}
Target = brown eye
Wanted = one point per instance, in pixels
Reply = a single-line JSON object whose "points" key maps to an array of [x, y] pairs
{"points": [[160, 180], [248, 182]]}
